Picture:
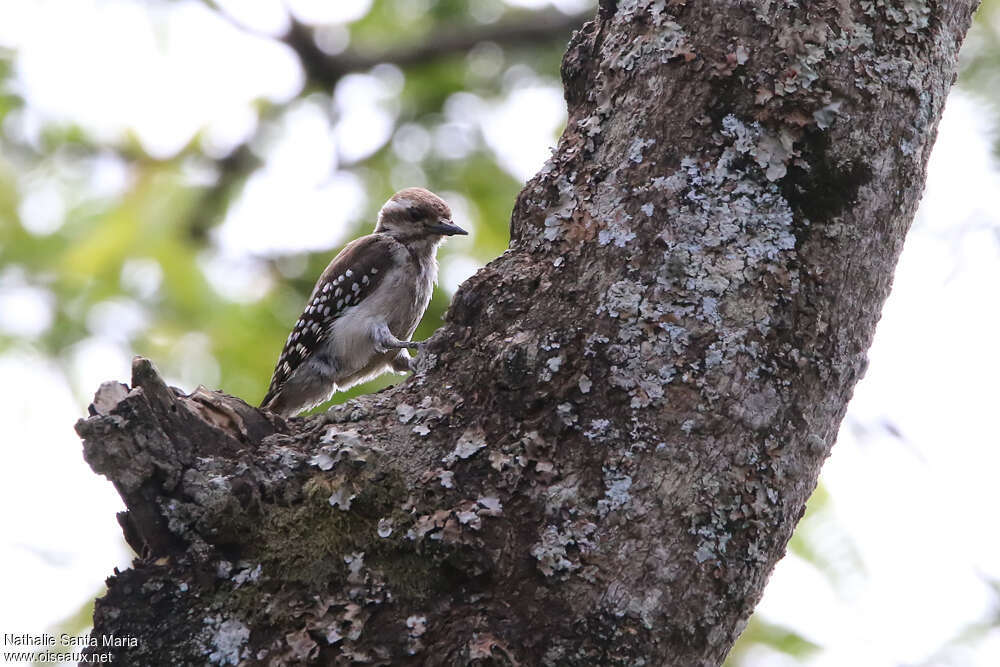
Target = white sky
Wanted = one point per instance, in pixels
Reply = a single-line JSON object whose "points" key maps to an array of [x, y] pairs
{"points": [[920, 510]]}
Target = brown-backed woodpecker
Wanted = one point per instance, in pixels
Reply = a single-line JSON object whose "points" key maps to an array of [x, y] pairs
{"points": [[365, 306]]}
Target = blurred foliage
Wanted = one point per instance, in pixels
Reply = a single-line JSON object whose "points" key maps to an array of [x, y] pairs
{"points": [[128, 264], [980, 62], [960, 649], [762, 638], [156, 222], [76, 624], [821, 541]]}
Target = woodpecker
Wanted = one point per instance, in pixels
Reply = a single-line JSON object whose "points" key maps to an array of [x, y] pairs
{"points": [[365, 306]]}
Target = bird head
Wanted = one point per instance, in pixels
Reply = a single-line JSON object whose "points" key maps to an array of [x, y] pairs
{"points": [[415, 213]]}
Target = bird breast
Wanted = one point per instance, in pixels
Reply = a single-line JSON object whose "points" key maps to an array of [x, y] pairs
{"points": [[399, 301]]}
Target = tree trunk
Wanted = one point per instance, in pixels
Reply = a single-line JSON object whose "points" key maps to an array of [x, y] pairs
{"points": [[606, 448]]}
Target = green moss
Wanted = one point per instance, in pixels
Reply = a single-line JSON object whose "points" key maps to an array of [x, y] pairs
{"points": [[307, 542], [411, 576]]}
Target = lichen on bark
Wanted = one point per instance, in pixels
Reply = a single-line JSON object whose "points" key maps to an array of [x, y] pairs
{"points": [[604, 452]]}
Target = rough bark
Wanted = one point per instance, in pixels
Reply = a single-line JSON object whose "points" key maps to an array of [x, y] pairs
{"points": [[606, 448]]}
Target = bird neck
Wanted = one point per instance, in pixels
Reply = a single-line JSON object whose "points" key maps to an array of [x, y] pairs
{"points": [[422, 246]]}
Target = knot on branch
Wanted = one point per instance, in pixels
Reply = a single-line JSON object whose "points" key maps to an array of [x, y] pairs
{"points": [[179, 461], [316, 519]]}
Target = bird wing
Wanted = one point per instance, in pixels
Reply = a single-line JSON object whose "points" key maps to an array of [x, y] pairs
{"points": [[351, 276]]}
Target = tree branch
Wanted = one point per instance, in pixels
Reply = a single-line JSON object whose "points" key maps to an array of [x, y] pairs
{"points": [[604, 452], [325, 69]]}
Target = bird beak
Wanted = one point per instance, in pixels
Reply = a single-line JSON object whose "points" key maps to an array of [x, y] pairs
{"points": [[447, 228]]}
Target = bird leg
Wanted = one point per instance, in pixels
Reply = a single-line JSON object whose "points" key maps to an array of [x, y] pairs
{"points": [[384, 340]]}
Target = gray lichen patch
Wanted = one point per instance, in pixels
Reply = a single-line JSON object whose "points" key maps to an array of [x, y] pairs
{"points": [[770, 150], [470, 442], [728, 228], [227, 640], [662, 45], [341, 498], [559, 547], [616, 494]]}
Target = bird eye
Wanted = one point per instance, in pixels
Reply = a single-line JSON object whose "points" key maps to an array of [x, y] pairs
{"points": [[414, 213]]}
